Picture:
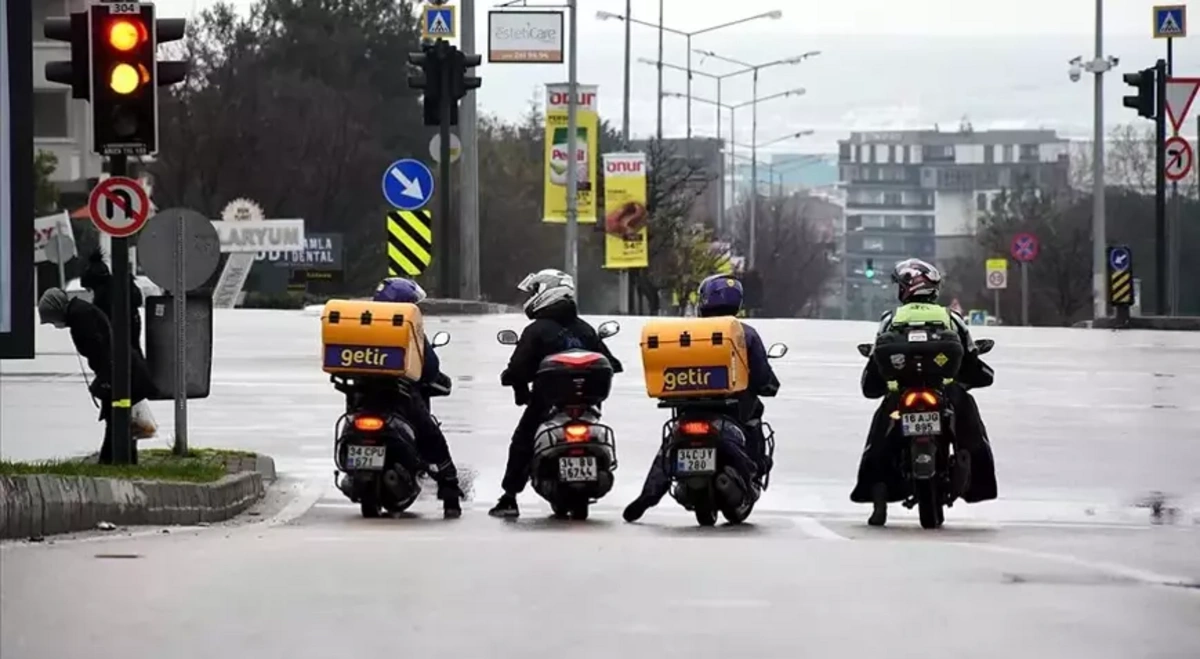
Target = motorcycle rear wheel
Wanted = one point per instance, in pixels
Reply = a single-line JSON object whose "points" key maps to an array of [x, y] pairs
{"points": [[929, 504], [706, 516], [369, 504]]}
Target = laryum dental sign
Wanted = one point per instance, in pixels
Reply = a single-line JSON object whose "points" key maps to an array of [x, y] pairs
{"points": [[528, 37]]}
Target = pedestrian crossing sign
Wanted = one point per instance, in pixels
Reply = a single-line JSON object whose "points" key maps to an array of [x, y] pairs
{"points": [[1170, 21], [438, 22]]}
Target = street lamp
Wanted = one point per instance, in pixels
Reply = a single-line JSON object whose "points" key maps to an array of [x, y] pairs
{"points": [[754, 128], [774, 14], [800, 91]]}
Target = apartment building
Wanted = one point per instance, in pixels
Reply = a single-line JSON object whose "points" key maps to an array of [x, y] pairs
{"points": [[60, 123], [921, 194]]}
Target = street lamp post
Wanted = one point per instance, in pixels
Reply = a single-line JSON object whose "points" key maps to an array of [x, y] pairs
{"points": [[750, 260], [719, 78], [774, 14], [733, 118]]}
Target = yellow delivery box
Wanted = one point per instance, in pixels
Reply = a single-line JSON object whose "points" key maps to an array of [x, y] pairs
{"points": [[360, 337], [694, 357]]}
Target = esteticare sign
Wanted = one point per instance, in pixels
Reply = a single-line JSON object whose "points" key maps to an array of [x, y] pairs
{"points": [[529, 37]]}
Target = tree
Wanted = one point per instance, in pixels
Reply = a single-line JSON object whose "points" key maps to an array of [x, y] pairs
{"points": [[298, 106], [682, 251], [793, 245], [45, 195]]}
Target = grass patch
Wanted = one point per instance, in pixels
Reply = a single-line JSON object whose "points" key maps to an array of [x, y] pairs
{"points": [[199, 466]]}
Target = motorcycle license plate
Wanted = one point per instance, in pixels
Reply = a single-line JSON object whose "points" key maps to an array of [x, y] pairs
{"points": [[921, 423], [365, 457], [577, 470], [917, 336], [696, 460]]}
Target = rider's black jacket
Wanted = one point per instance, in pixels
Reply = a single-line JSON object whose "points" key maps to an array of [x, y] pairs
{"points": [[553, 330]]}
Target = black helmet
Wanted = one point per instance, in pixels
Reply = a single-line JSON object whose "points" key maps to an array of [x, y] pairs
{"points": [[916, 281]]}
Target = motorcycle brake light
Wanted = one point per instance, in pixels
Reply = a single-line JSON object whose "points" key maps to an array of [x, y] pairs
{"points": [[695, 427], [927, 397], [576, 432], [368, 423]]}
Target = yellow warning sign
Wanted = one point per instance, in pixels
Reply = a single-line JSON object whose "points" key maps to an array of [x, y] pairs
{"points": [[409, 242], [1120, 288]]}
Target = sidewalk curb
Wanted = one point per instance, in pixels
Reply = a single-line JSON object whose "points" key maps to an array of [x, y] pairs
{"points": [[42, 505]]}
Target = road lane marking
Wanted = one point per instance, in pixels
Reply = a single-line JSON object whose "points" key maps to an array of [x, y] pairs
{"points": [[817, 530], [1113, 569]]}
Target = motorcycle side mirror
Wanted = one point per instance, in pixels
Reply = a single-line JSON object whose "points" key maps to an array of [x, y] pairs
{"points": [[777, 350], [985, 345], [440, 339], [507, 337], [864, 349], [609, 328]]}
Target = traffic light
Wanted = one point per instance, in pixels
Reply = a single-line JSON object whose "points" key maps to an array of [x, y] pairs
{"points": [[1143, 102], [73, 30], [869, 270], [460, 82], [429, 81], [126, 74]]}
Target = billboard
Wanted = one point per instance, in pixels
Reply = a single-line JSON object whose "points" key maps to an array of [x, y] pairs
{"points": [[557, 160], [16, 182], [525, 37], [625, 238]]}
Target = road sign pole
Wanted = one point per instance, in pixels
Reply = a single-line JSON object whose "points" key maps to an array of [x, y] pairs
{"points": [[120, 413], [1025, 293], [1160, 188], [469, 170], [446, 281], [62, 261], [996, 306], [180, 302], [572, 233]]}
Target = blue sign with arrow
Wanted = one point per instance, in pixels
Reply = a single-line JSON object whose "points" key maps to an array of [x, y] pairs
{"points": [[1118, 258], [408, 184]]}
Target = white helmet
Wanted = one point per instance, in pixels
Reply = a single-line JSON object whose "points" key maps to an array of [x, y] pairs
{"points": [[546, 287]]}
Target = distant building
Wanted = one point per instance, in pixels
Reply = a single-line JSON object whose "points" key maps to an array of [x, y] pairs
{"points": [[785, 173], [921, 194], [708, 166]]}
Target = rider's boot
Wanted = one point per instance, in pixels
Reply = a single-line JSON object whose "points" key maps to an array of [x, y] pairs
{"points": [[880, 502]]}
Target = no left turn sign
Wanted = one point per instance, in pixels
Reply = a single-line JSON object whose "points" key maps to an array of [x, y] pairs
{"points": [[119, 206], [1179, 158]]}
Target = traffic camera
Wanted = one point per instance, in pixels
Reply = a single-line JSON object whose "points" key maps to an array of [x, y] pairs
{"points": [[126, 74], [1143, 101]]}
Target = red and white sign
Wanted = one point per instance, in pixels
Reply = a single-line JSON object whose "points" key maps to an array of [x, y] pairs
{"points": [[119, 206], [1180, 94], [1179, 158]]}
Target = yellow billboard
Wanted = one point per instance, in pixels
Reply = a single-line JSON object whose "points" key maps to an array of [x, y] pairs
{"points": [[625, 236], [587, 125]]}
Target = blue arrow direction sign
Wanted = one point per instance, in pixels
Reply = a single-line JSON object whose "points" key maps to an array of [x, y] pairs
{"points": [[408, 184], [1118, 258], [1170, 21]]}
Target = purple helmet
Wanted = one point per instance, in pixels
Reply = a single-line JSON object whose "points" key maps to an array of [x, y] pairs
{"points": [[399, 289], [719, 295]]}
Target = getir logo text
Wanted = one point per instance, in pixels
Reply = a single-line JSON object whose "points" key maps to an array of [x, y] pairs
{"points": [[367, 358], [696, 378]]}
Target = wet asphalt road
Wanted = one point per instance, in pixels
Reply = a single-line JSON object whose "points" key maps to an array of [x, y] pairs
{"points": [[1085, 424]]}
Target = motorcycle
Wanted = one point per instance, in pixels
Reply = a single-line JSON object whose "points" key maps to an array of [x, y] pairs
{"points": [[922, 359], [375, 450], [695, 458], [575, 455]]}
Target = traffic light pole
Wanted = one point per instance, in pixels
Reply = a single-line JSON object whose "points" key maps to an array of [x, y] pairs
{"points": [[120, 414], [1160, 188], [449, 287]]}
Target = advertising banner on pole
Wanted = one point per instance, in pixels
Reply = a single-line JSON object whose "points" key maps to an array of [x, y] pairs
{"points": [[554, 207], [625, 237]]}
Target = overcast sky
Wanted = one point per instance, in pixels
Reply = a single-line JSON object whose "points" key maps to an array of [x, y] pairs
{"points": [[884, 64]]}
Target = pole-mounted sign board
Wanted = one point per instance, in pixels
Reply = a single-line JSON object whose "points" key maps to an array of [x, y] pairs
{"points": [[525, 37], [1120, 276]]}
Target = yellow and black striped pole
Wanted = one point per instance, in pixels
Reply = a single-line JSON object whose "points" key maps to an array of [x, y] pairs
{"points": [[1120, 280], [409, 242]]}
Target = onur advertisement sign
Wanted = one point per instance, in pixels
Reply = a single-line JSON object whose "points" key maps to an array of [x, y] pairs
{"points": [[625, 243], [557, 160]]}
